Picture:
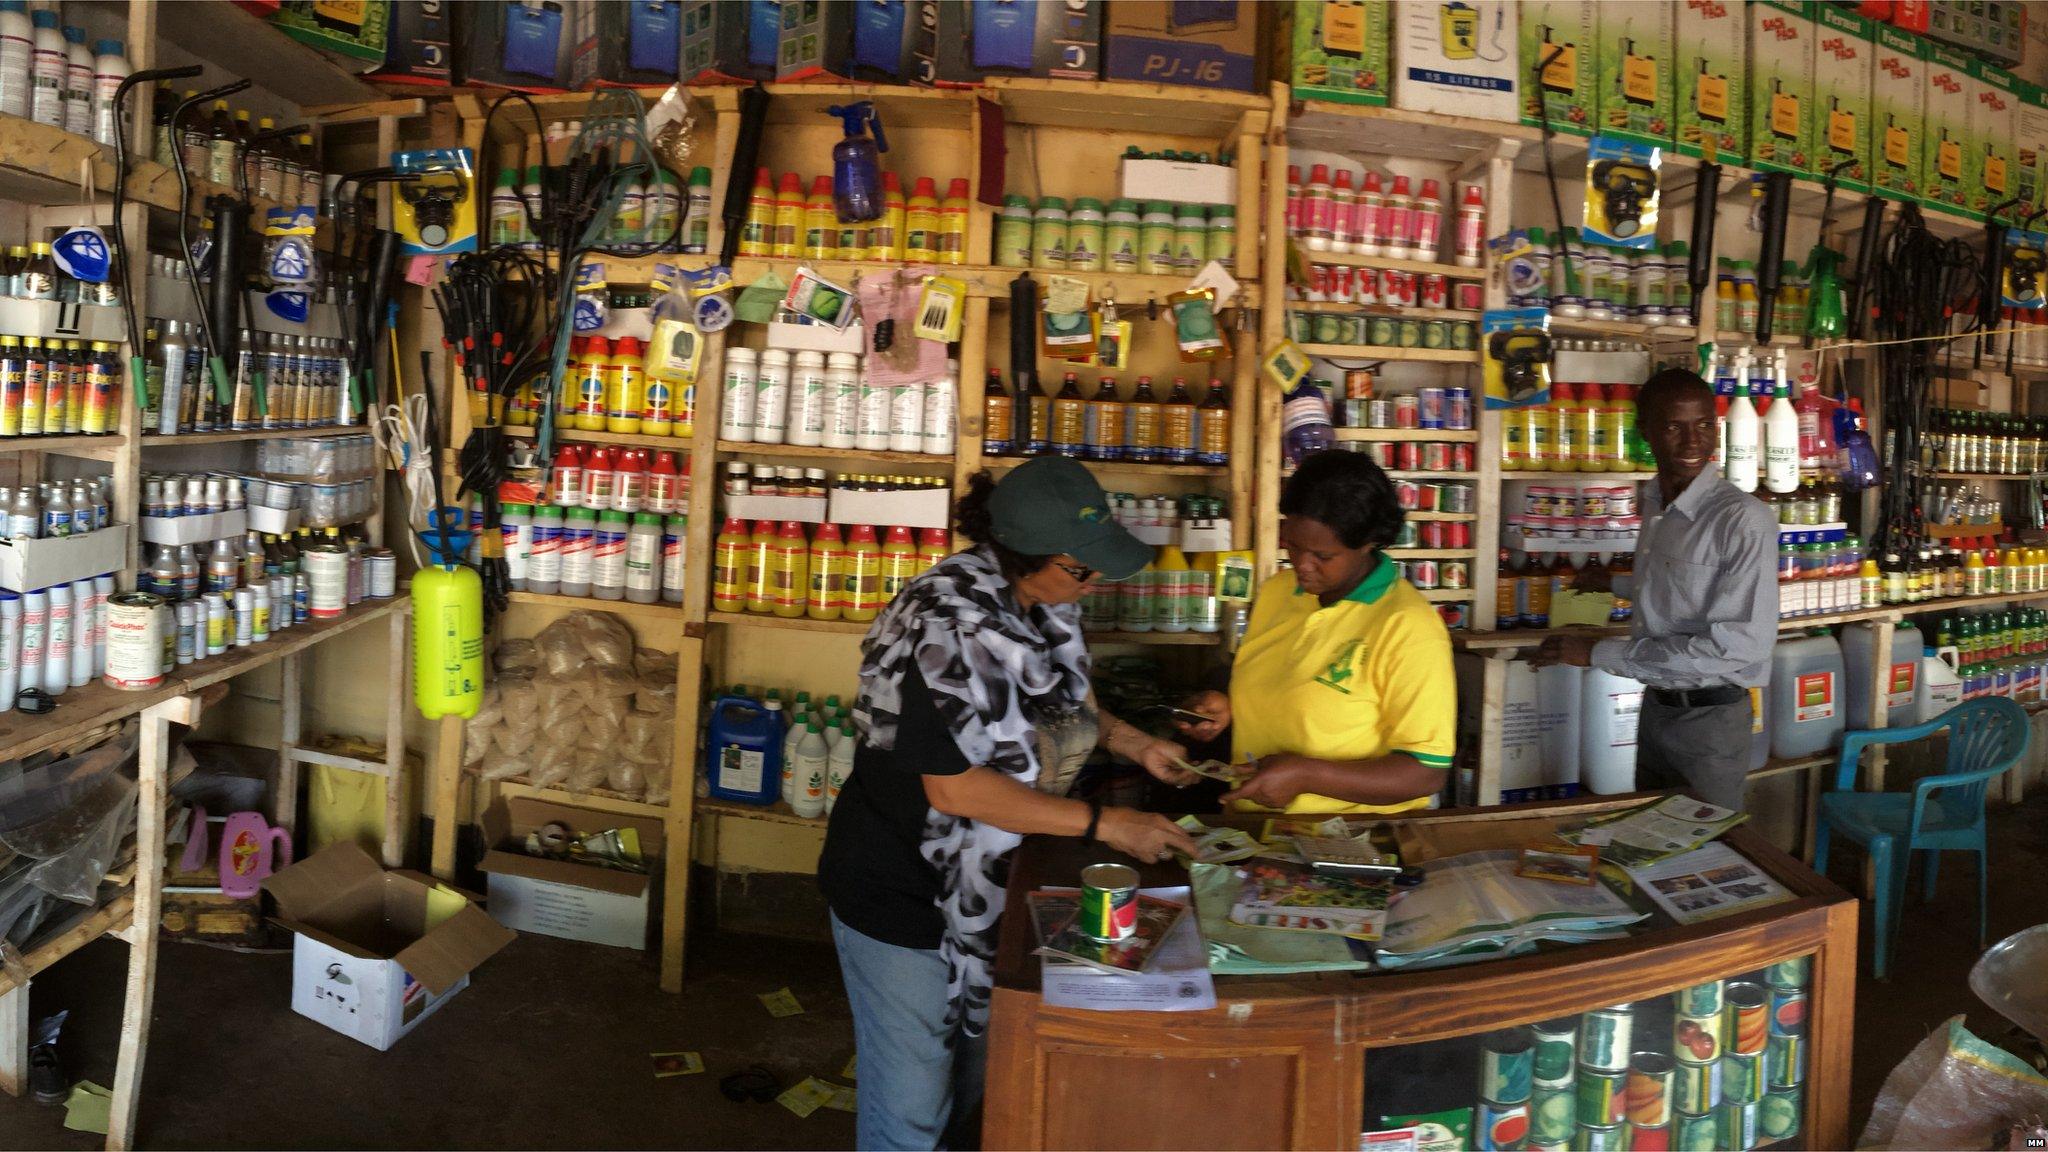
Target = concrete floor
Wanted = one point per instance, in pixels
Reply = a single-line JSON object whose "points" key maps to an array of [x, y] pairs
{"points": [[549, 1048]]}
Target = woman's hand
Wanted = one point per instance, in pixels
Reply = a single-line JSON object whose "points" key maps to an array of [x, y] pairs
{"points": [[1159, 756], [1275, 785], [1146, 836], [1213, 705]]}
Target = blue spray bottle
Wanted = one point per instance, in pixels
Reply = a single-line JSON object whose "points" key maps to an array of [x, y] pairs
{"points": [[856, 163]]}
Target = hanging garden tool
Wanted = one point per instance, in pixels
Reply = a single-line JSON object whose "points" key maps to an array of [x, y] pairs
{"points": [[1771, 250], [219, 318], [138, 372]]}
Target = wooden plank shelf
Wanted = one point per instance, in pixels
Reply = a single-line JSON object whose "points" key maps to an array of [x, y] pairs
{"points": [[1123, 467], [1194, 639], [791, 623], [113, 916], [1445, 595], [1433, 553], [620, 439], [597, 799], [661, 613], [776, 813], [1535, 477], [1415, 474], [228, 436], [1394, 264], [849, 455], [1454, 435], [1388, 352]]}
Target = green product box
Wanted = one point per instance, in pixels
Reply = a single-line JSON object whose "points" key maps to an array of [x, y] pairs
{"points": [[1568, 29], [354, 31], [1638, 71], [1945, 169], [1843, 55], [1781, 86], [1713, 88], [1446, 1131], [1335, 50], [1993, 116], [2030, 146], [1898, 109]]}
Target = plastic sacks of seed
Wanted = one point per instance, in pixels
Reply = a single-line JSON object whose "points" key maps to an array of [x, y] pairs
{"points": [[579, 708]]}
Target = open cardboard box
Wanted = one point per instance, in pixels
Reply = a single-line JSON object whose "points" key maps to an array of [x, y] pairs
{"points": [[559, 897], [376, 952]]}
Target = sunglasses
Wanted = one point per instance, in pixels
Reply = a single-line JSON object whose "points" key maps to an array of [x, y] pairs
{"points": [[1080, 572]]}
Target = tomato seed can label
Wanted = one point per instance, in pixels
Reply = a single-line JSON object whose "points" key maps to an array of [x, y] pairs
{"points": [[1457, 574], [1785, 1061], [1735, 1127], [1742, 1078], [1789, 973], [1425, 574], [1436, 456], [327, 572], [1649, 1137], [1780, 1114], [1556, 1051], [1604, 1040], [1696, 1039], [1553, 1114], [1603, 1097], [1500, 1126], [1746, 1018], [1694, 1133], [135, 641], [1696, 1088], [1649, 1089], [1698, 1000], [1109, 902], [1506, 1066], [1602, 1138], [1788, 1012]]}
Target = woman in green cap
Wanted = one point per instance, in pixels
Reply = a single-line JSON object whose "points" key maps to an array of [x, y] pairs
{"points": [[974, 715]]}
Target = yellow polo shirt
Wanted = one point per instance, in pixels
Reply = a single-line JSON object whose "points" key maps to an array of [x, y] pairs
{"points": [[1368, 676]]}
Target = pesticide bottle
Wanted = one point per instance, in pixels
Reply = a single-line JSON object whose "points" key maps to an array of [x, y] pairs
{"points": [[729, 554], [1805, 694], [1611, 707], [629, 222], [696, 214], [842, 744], [77, 82], [1743, 430], [932, 547], [1170, 591], [644, 558], [1050, 228], [517, 527], [1781, 435], [544, 557], [109, 68], [17, 53], [1013, 233], [790, 570], [759, 580], [757, 232], [593, 378], [863, 575], [786, 240], [813, 761], [664, 485], [821, 222], [1564, 427], [899, 562], [826, 597], [1136, 599], [1318, 208], [792, 736], [743, 749], [46, 73], [508, 211], [885, 234], [952, 242], [627, 392]]}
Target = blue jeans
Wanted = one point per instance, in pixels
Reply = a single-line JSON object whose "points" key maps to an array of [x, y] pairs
{"points": [[915, 1073]]}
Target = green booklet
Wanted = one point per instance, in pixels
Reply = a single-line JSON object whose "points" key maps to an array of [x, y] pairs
{"points": [[1655, 832]]}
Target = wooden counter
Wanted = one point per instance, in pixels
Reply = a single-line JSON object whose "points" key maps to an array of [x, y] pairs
{"points": [[1281, 1061]]}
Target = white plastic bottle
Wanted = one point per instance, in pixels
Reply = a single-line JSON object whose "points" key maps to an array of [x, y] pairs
{"points": [[1744, 432], [839, 762], [842, 400], [1607, 732], [871, 433], [906, 416], [176, 355], [109, 68], [643, 559], [47, 64], [17, 52], [57, 641], [10, 649], [736, 407], [77, 82], [807, 400], [544, 559], [1781, 435], [813, 761], [792, 736], [771, 397], [941, 412]]}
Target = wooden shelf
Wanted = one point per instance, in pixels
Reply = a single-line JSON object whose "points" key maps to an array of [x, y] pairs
{"points": [[849, 455], [1433, 553], [1578, 477], [1989, 477], [777, 813], [1202, 639], [1445, 595], [1349, 308], [113, 916], [1393, 264], [1399, 132], [597, 799], [1531, 637], [1384, 352], [1626, 329], [1462, 435], [1777, 767], [1744, 339], [1124, 104], [250, 46], [1123, 467], [1412, 515], [226, 436], [581, 436], [1423, 474], [791, 623], [96, 447], [1963, 531], [663, 613], [1916, 608]]}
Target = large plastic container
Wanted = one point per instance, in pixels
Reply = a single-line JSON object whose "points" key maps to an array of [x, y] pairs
{"points": [[1807, 708], [1939, 688], [1901, 673], [1611, 706], [1560, 721], [743, 751]]}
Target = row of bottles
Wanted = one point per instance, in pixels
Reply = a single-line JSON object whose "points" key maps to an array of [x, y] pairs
{"points": [[1820, 573], [277, 381], [1575, 280], [1156, 238], [626, 480], [1735, 298], [52, 508], [53, 638], [1381, 218], [651, 213], [50, 75], [225, 148], [812, 399], [1145, 428], [1170, 594], [822, 572], [1525, 586], [1966, 567], [58, 387], [31, 272], [607, 554], [800, 751], [1980, 637], [1585, 427], [607, 387], [1961, 440], [924, 228]]}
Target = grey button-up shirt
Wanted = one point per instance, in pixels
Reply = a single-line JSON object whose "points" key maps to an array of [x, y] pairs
{"points": [[1705, 588]]}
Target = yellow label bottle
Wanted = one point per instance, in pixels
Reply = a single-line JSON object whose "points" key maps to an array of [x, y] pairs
{"points": [[921, 221], [821, 221], [1565, 429], [953, 223], [729, 567], [1141, 423], [758, 231], [1514, 442], [790, 575], [899, 562], [787, 238], [863, 574], [885, 233], [760, 589], [593, 383], [626, 398], [827, 597], [1537, 425]]}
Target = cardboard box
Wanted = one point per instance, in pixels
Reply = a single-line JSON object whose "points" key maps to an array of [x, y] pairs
{"points": [[844, 39], [26, 565], [176, 530], [1898, 95], [1844, 55], [728, 42], [54, 319], [1712, 98], [1945, 175], [1456, 59], [1639, 62], [803, 509], [349, 31], [559, 897], [376, 952], [1993, 120], [524, 48], [966, 42], [1566, 90], [634, 42], [912, 508], [1180, 181], [1333, 49], [1214, 44], [2030, 145], [420, 43], [1781, 86]]}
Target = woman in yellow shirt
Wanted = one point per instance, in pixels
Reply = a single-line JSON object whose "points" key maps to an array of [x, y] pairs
{"points": [[1342, 692]]}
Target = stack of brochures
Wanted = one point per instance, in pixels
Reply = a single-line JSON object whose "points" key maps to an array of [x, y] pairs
{"points": [[1473, 906]]}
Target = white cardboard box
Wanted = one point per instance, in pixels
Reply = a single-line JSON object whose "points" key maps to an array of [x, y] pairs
{"points": [[49, 318], [275, 521], [175, 530], [376, 952], [558, 897], [803, 509], [1181, 181], [912, 508], [817, 337], [26, 565], [1456, 59]]}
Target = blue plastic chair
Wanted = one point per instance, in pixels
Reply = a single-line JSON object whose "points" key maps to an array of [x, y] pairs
{"points": [[1946, 812]]}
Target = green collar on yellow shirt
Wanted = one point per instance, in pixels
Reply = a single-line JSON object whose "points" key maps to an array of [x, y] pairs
{"points": [[1373, 586]]}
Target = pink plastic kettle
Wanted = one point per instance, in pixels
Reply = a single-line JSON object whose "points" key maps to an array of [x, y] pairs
{"points": [[247, 844]]}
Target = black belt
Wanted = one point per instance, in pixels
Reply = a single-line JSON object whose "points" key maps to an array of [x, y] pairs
{"points": [[1698, 697]]}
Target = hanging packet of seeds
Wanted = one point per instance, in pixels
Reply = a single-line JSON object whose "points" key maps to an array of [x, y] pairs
{"points": [[1194, 325], [896, 354]]}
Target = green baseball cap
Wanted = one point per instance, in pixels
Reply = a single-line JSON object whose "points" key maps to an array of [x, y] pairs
{"points": [[1052, 505]]}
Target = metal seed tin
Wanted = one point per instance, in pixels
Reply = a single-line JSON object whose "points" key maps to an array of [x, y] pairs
{"points": [[1602, 1096], [1457, 574], [1109, 902], [1602, 1138], [1553, 1114], [1425, 574], [1696, 1039], [1500, 1126], [1693, 1133], [1746, 1016], [1788, 1012], [1789, 973], [1649, 1137], [1604, 1042], [1407, 411], [1742, 1078], [1780, 1114], [1506, 1066], [1649, 1089], [1785, 1061], [383, 573], [1556, 1045], [1696, 1088], [1735, 1127]]}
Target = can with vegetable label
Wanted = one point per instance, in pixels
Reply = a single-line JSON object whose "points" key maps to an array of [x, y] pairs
{"points": [[1696, 1088], [1602, 1097], [1742, 1078], [1553, 1113], [1506, 1066], [1556, 1044], [1696, 1039], [1604, 1040], [1649, 1138], [1500, 1126], [1779, 1115], [1602, 1138], [1109, 902], [1746, 1019], [1649, 1089], [1735, 1127], [1785, 1061]]}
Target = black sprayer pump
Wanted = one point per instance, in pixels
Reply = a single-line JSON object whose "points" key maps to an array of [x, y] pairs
{"points": [[137, 372], [1706, 199], [1770, 258]]}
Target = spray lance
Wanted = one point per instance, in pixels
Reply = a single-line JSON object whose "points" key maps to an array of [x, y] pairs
{"points": [[1771, 252], [226, 254], [1868, 239], [1991, 288], [138, 372], [1706, 198]]}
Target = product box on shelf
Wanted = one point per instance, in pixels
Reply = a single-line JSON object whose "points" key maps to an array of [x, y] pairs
{"points": [[1898, 109], [26, 564], [1945, 168], [1456, 59], [1781, 86], [815, 337], [1712, 97], [911, 508], [1179, 181], [730, 43], [1994, 112], [561, 897], [848, 40], [1639, 65], [374, 953], [2030, 144], [176, 530], [1844, 56], [967, 42], [803, 509], [351, 31], [526, 48], [1565, 33], [420, 43], [63, 321], [275, 521], [1207, 45], [1333, 49], [625, 44]]}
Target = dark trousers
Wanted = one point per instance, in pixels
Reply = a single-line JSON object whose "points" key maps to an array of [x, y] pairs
{"points": [[1703, 751]]}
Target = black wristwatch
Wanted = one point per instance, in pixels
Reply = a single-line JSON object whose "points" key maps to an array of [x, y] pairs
{"points": [[1094, 817]]}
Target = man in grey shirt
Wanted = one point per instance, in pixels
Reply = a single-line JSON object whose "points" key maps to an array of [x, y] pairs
{"points": [[1705, 588]]}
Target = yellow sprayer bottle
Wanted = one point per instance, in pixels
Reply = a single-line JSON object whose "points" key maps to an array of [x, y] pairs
{"points": [[899, 562], [626, 391], [885, 233], [1565, 450], [787, 239], [821, 221], [758, 231], [953, 224], [447, 635], [933, 546], [760, 586], [593, 380], [921, 221], [827, 598], [790, 570], [863, 574], [729, 566]]}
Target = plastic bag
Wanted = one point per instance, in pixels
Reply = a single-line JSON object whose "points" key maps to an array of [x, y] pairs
{"points": [[604, 638], [639, 737], [626, 777], [551, 765], [650, 664], [75, 873], [587, 770], [561, 652], [516, 658], [1954, 1091], [657, 788], [521, 706]]}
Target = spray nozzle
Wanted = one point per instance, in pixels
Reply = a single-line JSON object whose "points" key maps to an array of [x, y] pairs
{"points": [[857, 118]]}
